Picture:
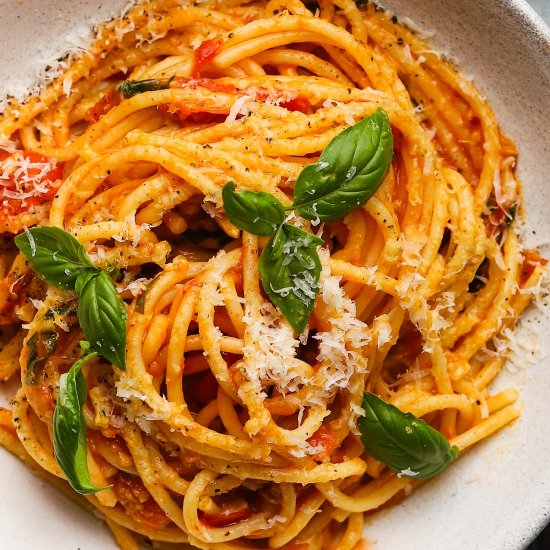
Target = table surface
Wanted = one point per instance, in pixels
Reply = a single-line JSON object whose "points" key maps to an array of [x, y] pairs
{"points": [[543, 8]]}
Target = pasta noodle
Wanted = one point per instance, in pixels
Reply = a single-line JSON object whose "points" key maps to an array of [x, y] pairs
{"points": [[228, 430]]}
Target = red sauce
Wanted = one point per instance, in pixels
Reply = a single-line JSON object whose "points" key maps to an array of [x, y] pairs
{"points": [[223, 520]]}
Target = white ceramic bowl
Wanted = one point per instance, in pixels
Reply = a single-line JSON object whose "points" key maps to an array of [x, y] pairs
{"points": [[497, 497]]}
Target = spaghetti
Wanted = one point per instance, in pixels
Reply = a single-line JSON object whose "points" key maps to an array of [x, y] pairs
{"points": [[228, 430]]}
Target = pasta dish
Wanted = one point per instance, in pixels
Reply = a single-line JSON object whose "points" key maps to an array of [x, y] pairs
{"points": [[260, 264]]}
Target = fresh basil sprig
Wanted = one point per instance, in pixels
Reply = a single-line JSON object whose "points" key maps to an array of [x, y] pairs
{"points": [[69, 428], [403, 442], [61, 261], [289, 265], [256, 212], [102, 315], [54, 255], [58, 258], [290, 269], [349, 171], [130, 88]]}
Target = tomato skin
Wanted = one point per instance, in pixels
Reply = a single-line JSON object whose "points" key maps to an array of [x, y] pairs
{"points": [[325, 438], [298, 104], [224, 520], [10, 207], [205, 53], [109, 101]]}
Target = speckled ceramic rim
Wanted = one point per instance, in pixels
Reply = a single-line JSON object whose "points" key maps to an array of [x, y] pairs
{"points": [[531, 19]]}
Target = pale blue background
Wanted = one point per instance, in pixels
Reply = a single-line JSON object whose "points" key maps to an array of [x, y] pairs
{"points": [[543, 8]]}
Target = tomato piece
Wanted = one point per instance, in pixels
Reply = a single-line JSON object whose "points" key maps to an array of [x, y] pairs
{"points": [[109, 101], [205, 53], [326, 439], [299, 104], [29, 179], [225, 519], [531, 260]]}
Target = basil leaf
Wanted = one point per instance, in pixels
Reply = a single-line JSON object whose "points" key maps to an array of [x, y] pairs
{"points": [[69, 429], [130, 88], [290, 269], [257, 212], [102, 316], [53, 254], [403, 442], [41, 345], [349, 171]]}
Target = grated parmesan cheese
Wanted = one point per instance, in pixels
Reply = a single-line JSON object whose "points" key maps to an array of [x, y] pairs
{"points": [[238, 108], [347, 110], [419, 31], [137, 287], [384, 330], [407, 472], [270, 358], [67, 85], [339, 347], [356, 412]]}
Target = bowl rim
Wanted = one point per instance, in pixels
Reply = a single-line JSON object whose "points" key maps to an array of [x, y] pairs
{"points": [[531, 19]]}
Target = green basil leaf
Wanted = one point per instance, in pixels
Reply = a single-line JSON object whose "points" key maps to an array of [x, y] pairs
{"points": [[69, 429], [54, 255], [257, 212], [130, 88], [102, 316], [403, 442], [290, 269], [349, 171], [40, 345]]}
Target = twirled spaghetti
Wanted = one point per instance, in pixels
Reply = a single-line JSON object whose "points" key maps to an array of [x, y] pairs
{"points": [[227, 430]]}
